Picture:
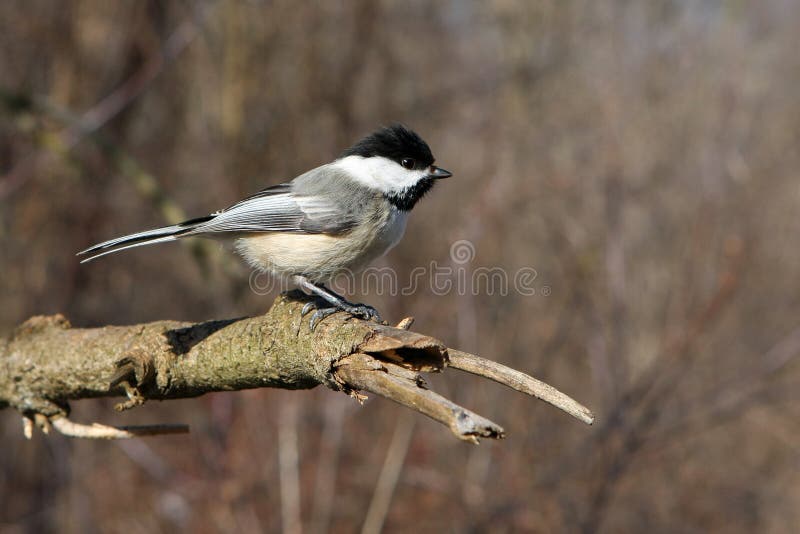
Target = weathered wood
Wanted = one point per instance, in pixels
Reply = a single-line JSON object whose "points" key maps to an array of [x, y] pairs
{"points": [[46, 363]]}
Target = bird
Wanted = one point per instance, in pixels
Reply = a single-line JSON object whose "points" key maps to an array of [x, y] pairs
{"points": [[333, 219]]}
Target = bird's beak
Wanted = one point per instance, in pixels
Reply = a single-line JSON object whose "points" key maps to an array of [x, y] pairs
{"points": [[436, 172]]}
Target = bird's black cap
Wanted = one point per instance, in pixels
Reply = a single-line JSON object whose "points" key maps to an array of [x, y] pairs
{"points": [[394, 142]]}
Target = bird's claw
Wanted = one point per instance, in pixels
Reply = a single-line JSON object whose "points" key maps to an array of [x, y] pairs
{"points": [[365, 311], [310, 305], [320, 315], [362, 311]]}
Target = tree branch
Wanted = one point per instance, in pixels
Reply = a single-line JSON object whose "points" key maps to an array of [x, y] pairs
{"points": [[46, 363]]}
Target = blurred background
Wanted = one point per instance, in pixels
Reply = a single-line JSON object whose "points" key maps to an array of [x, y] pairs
{"points": [[640, 156]]}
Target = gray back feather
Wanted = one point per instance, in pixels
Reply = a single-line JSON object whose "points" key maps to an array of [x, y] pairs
{"points": [[322, 201]]}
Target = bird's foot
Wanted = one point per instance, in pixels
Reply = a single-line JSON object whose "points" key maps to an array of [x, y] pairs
{"points": [[362, 311], [308, 306], [320, 314]]}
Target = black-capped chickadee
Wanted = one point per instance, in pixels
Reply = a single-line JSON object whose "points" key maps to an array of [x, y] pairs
{"points": [[334, 219]]}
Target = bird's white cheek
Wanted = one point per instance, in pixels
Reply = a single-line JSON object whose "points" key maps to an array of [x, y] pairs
{"points": [[380, 173]]}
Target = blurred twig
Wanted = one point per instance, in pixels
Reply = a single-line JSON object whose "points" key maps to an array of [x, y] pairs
{"points": [[89, 124], [98, 115], [327, 467], [144, 182], [389, 476], [289, 468]]}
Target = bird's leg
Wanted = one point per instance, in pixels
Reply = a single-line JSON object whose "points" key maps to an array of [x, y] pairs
{"points": [[337, 303]]}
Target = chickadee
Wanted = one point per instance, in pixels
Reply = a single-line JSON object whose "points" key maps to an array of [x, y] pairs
{"points": [[333, 219]]}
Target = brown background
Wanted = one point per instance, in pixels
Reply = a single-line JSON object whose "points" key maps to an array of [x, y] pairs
{"points": [[641, 156]]}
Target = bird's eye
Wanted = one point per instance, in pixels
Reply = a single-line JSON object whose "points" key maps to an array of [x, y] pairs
{"points": [[408, 163]]}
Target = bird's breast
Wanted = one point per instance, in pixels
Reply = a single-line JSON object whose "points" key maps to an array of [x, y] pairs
{"points": [[321, 256], [391, 231]]}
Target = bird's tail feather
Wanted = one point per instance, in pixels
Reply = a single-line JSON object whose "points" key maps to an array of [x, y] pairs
{"points": [[148, 237]]}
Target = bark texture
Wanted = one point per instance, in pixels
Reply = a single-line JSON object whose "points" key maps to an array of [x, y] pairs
{"points": [[46, 363]]}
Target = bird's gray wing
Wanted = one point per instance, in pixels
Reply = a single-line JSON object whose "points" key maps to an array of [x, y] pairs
{"points": [[280, 209]]}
